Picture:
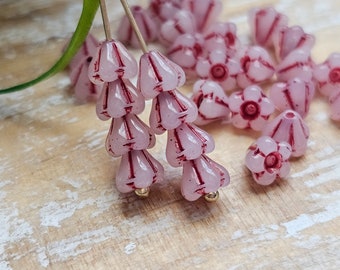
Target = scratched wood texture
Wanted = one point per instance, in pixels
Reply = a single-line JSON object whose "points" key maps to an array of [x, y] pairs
{"points": [[59, 208]]}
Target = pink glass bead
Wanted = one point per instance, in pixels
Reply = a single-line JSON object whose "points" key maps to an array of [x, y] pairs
{"points": [[250, 108], [222, 36], [146, 25], [119, 98], [165, 9], [295, 94], [169, 110], [327, 74], [112, 61], [257, 66], [202, 176], [334, 101], [138, 169], [211, 101], [205, 11], [185, 52], [297, 64], [85, 53], [128, 133], [187, 142], [182, 23], [84, 89], [268, 160], [157, 74], [220, 68], [265, 24], [292, 38], [289, 127]]}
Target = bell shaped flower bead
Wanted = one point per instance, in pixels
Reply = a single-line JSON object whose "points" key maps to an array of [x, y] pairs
{"points": [[138, 170], [202, 176], [145, 24], [292, 38], [169, 110], [182, 23], [222, 36], [119, 98], [265, 24], [128, 133], [297, 64], [211, 101], [268, 160], [295, 94], [220, 68], [187, 142], [164, 10], [186, 51], [157, 74], [334, 101], [327, 75], [112, 61], [205, 11], [289, 127], [250, 108], [257, 66]]}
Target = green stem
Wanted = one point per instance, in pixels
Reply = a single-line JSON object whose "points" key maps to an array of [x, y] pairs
{"points": [[90, 8]]}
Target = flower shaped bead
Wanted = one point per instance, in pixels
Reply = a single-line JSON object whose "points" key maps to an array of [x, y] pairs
{"points": [[119, 98], [138, 170], [265, 24], [295, 94], [268, 160], [186, 51], [182, 23], [112, 61], [202, 176], [211, 101], [205, 11], [157, 74], [257, 66], [187, 142], [250, 108], [145, 24], [289, 127], [297, 64], [222, 36], [220, 68], [334, 101], [327, 74], [292, 38]]}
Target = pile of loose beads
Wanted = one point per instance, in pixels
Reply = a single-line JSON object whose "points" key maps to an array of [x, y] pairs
{"points": [[210, 52]]}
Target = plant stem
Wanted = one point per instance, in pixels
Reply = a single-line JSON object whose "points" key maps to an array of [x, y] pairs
{"points": [[106, 21]]}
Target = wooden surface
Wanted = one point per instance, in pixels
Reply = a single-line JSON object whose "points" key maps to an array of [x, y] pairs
{"points": [[59, 208]]}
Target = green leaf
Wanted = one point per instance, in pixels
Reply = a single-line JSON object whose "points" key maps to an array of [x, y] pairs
{"points": [[90, 8]]}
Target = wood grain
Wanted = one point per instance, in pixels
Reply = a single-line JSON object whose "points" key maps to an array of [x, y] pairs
{"points": [[59, 208]]}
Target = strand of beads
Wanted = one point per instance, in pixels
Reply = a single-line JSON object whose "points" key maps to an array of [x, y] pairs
{"points": [[171, 111], [129, 136]]}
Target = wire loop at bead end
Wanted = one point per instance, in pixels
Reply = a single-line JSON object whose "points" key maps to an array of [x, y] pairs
{"points": [[212, 196]]}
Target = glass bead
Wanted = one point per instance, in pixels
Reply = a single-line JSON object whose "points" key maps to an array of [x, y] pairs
{"points": [[289, 127], [268, 160], [211, 101], [187, 142], [137, 170]]}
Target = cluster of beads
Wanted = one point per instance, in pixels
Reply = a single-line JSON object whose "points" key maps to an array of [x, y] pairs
{"points": [[211, 52], [113, 66]]}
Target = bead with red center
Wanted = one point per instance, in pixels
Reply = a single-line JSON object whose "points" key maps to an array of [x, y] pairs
{"points": [[219, 72], [334, 75], [273, 161], [250, 110]]}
